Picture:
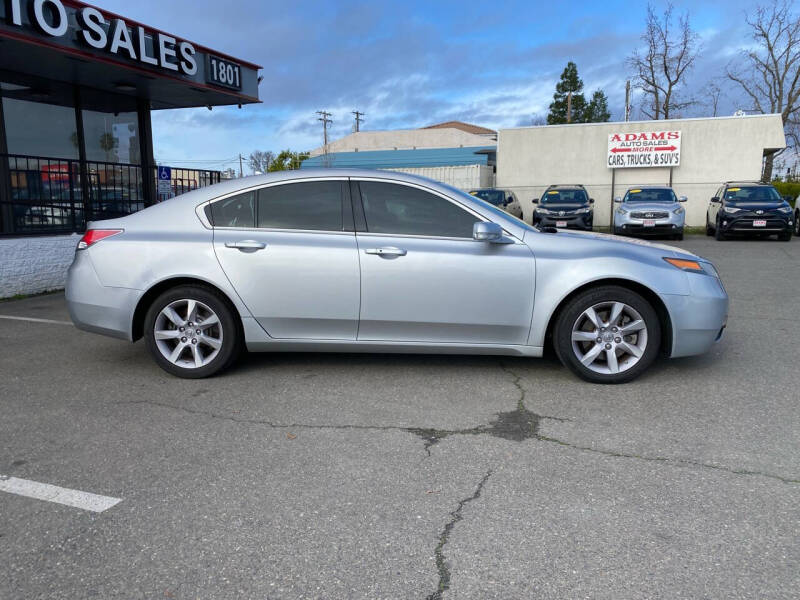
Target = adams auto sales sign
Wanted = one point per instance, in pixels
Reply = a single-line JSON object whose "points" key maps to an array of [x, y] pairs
{"points": [[644, 149]]}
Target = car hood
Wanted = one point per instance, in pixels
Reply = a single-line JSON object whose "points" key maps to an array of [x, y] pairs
{"points": [[650, 206], [564, 207], [606, 238], [753, 206]]}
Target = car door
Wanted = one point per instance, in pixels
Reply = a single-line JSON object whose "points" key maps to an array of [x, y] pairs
{"points": [[713, 207], [425, 279], [290, 252]]}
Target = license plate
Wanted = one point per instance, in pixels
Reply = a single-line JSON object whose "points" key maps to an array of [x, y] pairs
{"points": [[561, 223], [649, 223], [760, 223]]}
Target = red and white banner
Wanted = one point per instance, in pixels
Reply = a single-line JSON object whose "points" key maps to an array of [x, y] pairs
{"points": [[644, 149]]}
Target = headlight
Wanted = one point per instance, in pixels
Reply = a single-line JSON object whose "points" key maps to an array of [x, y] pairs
{"points": [[582, 211], [622, 211], [731, 209], [785, 209], [693, 266], [679, 210], [542, 211]]}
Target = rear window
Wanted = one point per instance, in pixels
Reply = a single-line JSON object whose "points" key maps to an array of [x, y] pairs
{"points": [[564, 197], [760, 193]]}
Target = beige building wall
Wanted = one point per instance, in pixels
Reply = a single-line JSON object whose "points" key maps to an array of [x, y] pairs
{"points": [[464, 177], [713, 150], [406, 139]]}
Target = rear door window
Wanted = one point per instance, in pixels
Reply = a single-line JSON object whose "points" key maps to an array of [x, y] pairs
{"points": [[311, 205], [234, 211]]}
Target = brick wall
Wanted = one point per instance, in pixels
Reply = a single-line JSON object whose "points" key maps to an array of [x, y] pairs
{"points": [[30, 265]]}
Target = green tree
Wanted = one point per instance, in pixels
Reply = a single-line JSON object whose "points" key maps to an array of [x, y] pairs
{"points": [[288, 160], [597, 110], [568, 104]]}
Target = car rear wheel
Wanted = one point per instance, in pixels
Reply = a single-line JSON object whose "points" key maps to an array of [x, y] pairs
{"points": [[709, 229], [191, 332], [607, 334]]}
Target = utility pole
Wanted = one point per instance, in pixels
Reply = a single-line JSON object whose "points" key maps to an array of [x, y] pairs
{"points": [[359, 118], [325, 118], [241, 171], [569, 107], [627, 100]]}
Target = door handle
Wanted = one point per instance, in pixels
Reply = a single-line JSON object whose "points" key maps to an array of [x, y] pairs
{"points": [[390, 251], [246, 245]]}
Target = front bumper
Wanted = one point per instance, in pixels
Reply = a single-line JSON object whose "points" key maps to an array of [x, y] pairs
{"points": [[95, 307], [580, 221], [744, 224], [671, 225], [698, 319]]}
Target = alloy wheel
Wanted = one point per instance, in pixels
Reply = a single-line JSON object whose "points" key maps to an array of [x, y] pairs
{"points": [[188, 333], [609, 337]]}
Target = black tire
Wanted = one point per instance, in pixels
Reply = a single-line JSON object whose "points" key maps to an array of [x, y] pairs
{"points": [[718, 235], [679, 236], [571, 312], [709, 229], [232, 339], [785, 237], [797, 223]]}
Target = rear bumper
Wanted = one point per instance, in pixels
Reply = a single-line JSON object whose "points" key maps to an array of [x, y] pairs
{"points": [[699, 319], [97, 308]]}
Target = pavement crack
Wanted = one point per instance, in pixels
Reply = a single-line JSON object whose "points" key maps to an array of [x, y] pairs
{"points": [[441, 563]]}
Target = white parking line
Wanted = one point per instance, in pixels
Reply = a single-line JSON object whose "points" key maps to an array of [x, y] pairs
{"points": [[35, 320], [59, 495]]}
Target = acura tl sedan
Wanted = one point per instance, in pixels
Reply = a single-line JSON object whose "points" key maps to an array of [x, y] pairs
{"points": [[370, 261]]}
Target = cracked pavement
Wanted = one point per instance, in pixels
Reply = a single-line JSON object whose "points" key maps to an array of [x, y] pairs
{"points": [[380, 476]]}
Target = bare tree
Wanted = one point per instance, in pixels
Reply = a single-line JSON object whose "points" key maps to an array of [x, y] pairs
{"points": [[538, 120], [661, 68], [770, 73], [260, 160], [712, 91]]}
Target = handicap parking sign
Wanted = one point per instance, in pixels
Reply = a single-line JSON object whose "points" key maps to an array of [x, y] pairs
{"points": [[165, 182]]}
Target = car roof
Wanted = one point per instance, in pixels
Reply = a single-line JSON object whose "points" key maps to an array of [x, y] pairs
{"points": [[747, 184], [649, 187], [566, 186]]}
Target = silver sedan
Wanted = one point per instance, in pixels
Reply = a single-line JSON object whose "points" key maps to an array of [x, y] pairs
{"points": [[370, 261]]}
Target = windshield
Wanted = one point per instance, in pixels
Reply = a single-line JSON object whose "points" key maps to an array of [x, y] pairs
{"points": [[650, 195], [760, 193], [564, 197], [493, 197], [455, 192]]}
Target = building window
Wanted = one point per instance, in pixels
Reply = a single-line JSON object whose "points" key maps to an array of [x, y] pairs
{"points": [[112, 137]]}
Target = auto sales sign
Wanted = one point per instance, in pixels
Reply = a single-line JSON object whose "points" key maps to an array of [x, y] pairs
{"points": [[644, 149]]}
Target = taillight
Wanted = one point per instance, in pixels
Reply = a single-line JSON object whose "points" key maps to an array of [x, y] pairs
{"points": [[92, 236]]}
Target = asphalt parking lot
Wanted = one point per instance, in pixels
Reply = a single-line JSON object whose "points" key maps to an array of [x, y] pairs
{"points": [[380, 476]]}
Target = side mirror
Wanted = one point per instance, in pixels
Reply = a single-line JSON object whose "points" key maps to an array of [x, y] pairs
{"points": [[715, 199], [617, 200], [683, 199], [486, 231], [591, 200], [535, 201]]}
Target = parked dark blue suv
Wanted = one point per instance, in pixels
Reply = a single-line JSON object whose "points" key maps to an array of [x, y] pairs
{"points": [[749, 209]]}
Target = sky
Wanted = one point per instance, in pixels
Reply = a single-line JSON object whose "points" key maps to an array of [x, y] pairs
{"points": [[413, 63]]}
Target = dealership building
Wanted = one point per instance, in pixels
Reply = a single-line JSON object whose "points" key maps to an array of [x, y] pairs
{"points": [[693, 156], [77, 87]]}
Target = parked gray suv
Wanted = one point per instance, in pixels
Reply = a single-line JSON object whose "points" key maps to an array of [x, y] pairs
{"points": [[651, 210]]}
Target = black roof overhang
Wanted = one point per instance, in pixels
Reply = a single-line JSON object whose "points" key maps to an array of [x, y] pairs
{"points": [[34, 57]]}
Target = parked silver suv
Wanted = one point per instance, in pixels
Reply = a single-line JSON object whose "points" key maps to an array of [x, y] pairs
{"points": [[651, 210]]}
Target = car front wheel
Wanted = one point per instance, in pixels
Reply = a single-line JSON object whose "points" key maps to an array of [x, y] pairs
{"points": [[191, 332], [607, 334]]}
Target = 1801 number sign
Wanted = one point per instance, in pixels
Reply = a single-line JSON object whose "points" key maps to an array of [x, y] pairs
{"points": [[224, 72]]}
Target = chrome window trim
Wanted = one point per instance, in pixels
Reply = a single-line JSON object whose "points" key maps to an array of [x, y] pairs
{"points": [[201, 214]]}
